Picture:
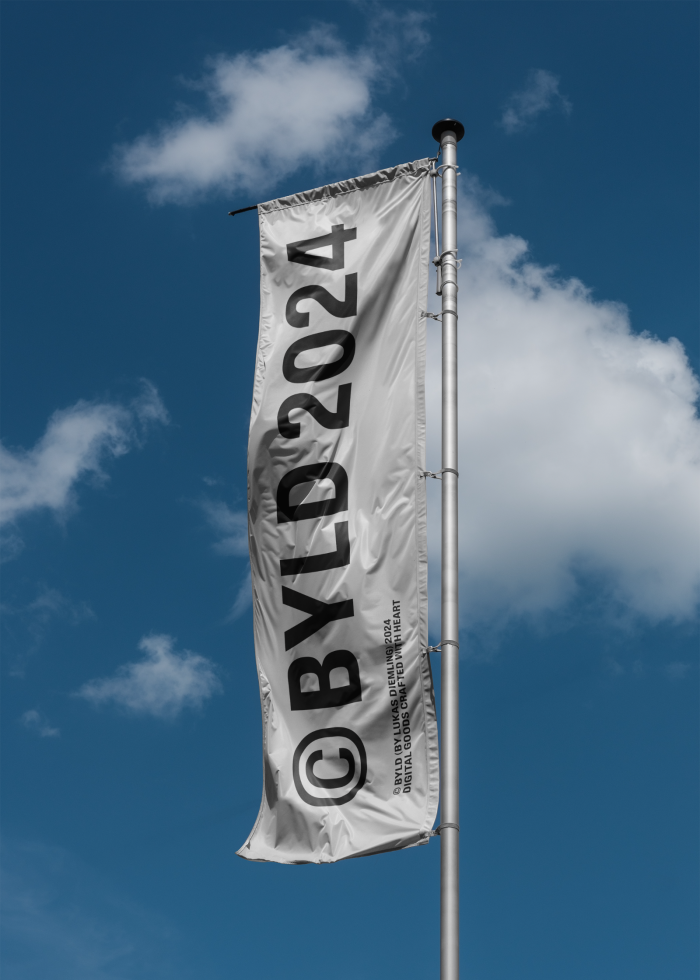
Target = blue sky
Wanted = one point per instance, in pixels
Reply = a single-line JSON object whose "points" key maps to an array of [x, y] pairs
{"points": [[131, 723]]}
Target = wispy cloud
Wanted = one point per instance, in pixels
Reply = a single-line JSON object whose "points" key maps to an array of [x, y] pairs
{"points": [[61, 921], [540, 94], [579, 442], [243, 600], [678, 671], [307, 102], [26, 625], [77, 442], [163, 684], [34, 721], [50, 603], [230, 526]]}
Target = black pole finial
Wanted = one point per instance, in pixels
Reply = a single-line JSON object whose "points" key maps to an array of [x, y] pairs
{"points": [[452, 124]]}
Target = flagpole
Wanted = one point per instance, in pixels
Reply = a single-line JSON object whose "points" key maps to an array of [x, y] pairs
{"points": [[448, 132]]}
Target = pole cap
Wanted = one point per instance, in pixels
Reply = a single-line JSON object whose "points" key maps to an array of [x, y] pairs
{"points": [[452, 124]]}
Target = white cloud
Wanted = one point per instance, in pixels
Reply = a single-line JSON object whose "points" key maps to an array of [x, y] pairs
{"points": [[307, 102], [678, 671], [36, 722], [541, 92], [76, 443], [579, 443], [163, 684], [231, 527]]}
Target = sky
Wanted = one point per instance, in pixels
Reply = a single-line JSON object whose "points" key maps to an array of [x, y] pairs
{"points": [[131, 725]]}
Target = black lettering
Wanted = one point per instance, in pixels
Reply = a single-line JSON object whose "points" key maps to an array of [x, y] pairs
{"points": [[319, 563], [336, 307], [318, 372], [296, 251], [339, 419], [320, 614], [336, 783], [310, 473], [326, 696]]}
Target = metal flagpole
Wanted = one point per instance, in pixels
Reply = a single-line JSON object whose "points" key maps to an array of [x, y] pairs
{"points": [[448, 132]]}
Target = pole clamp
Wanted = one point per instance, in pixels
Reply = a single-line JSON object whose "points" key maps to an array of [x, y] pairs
{"points": [[437, 475], [448, 166], [448, 251], [445, 826], [441, 644], [438, 316]]}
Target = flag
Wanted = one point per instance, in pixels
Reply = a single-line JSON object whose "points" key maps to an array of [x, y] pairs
{"points": [[337, 522]]}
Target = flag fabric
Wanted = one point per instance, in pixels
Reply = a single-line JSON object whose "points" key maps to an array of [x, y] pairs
{"points": [[337, 522]]}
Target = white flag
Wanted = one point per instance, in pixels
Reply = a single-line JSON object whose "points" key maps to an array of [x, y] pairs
{"points": [[337, 522]]}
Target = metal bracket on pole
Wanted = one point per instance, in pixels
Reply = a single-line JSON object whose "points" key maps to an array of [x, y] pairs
{"points": [[445, 826], [448, 132], [449, 251], [438, 648], [437, 475]]}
